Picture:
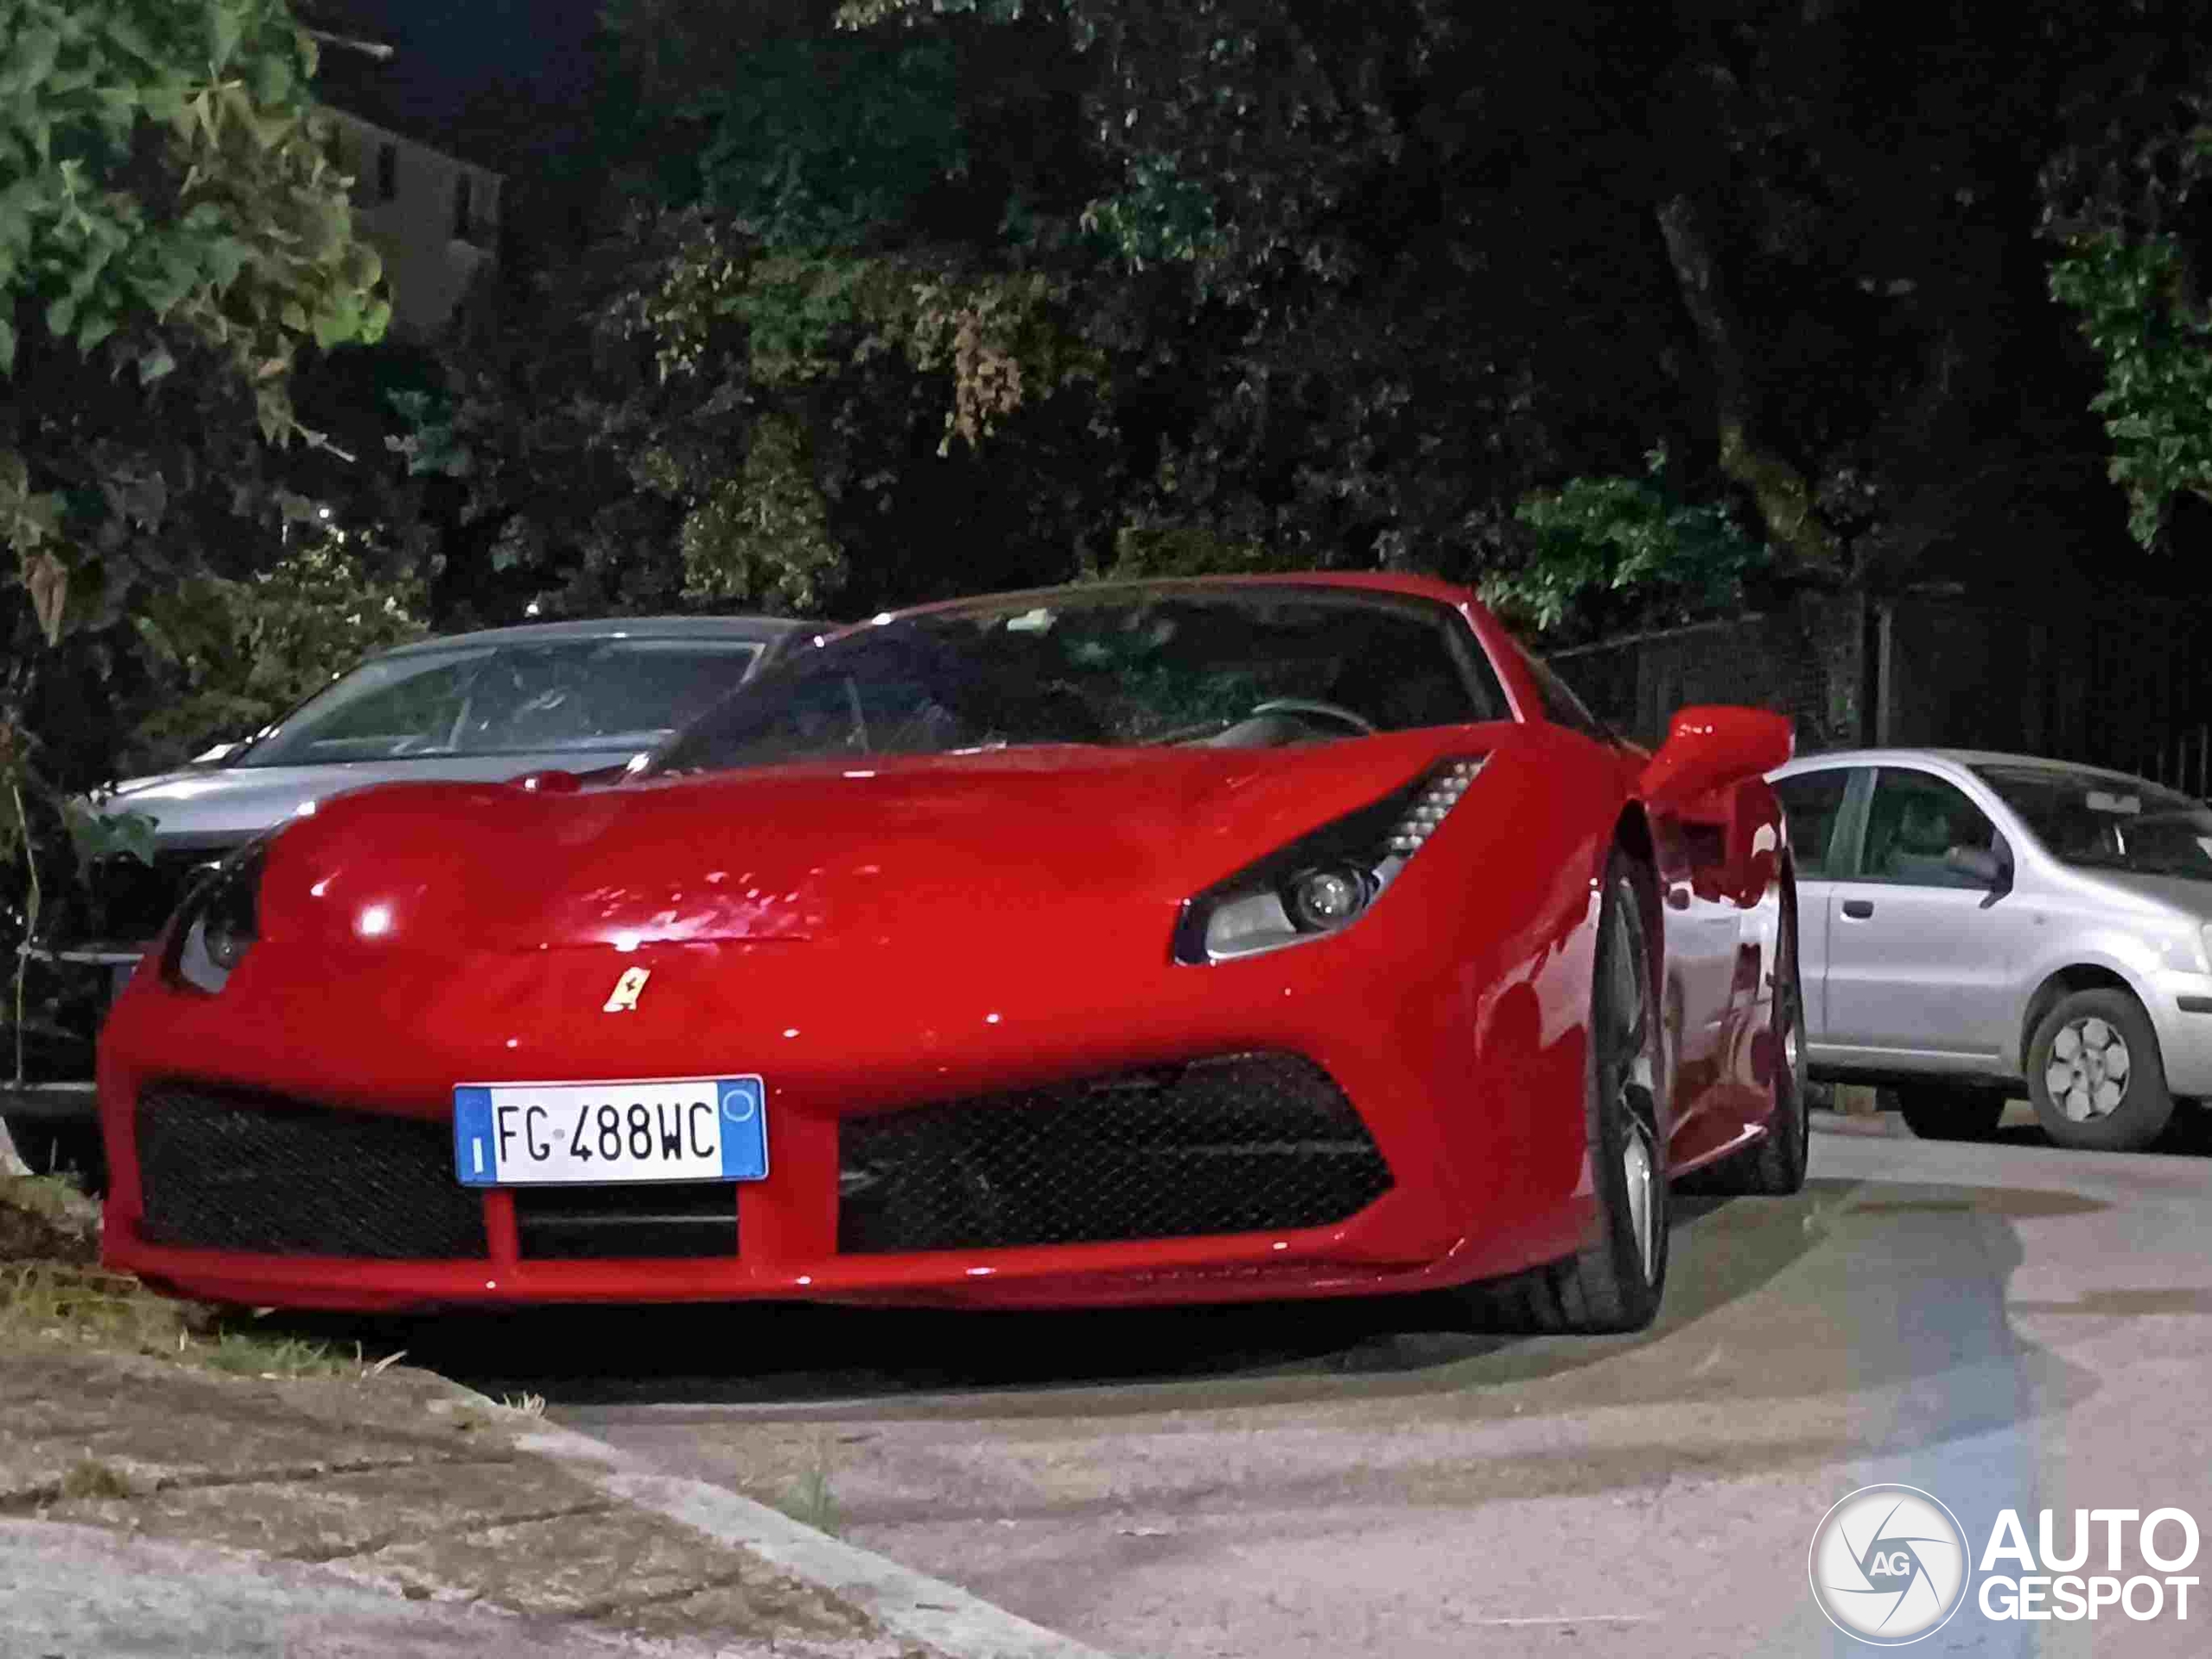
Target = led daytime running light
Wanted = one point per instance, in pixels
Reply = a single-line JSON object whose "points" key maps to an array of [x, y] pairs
{"points": [[1430, 806]]}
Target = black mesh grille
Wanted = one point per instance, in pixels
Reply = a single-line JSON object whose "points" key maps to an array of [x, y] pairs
{"points": [[222, 1170], [589, 1223], [1242, 1143]]}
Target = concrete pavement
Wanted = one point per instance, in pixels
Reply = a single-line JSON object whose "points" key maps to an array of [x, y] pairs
{"points": [[147, 1507], [2006, 1325]]}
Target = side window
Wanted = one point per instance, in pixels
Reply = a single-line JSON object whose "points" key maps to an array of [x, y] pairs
{"points": [[1561, 706], [1914, 822], [1814, 801]]}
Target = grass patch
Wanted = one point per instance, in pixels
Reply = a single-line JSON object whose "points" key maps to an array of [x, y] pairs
{"points": [[88, 1478], [62, 1302], [55, 1198], [46, 1218], [61, 1305], [54, 1304], [810, 1499], [256, 1353], [52, 1294]]}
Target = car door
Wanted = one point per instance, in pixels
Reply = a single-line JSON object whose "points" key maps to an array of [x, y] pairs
{"points": [[1920, 957], [1814, 803]]}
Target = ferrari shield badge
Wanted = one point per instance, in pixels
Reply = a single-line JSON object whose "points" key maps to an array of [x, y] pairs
{"points": [[628, 990]]}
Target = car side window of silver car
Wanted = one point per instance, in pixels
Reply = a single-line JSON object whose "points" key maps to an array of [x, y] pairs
{"points": [[1917, 828], [1814, 802]]}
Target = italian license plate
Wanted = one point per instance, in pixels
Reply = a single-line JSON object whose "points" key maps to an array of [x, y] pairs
{"points": [[608, 1134]]}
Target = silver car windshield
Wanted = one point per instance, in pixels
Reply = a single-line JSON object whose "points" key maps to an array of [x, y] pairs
{"points": [[1253, 665], [2103, 822], [535, 698]]}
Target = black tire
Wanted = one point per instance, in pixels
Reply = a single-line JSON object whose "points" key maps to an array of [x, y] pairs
{"points": [[1616, 1283], [1775, 1166], [1940, 1112], [2114, 1023]]}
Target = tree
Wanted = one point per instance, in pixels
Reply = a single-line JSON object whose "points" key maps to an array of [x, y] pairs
{"points": [[1793, 244], [795, 324], [173, 236], [2128, 208]]}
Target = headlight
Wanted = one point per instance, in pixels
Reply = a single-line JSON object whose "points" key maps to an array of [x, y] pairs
{"points": [[217, 922], [1323, 882]]}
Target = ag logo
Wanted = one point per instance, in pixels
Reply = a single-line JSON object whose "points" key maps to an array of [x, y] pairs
{"points": [[628, 990], [1889, 1565]]}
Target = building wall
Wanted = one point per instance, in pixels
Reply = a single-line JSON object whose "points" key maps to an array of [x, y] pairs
{"points": [[434, 219]]}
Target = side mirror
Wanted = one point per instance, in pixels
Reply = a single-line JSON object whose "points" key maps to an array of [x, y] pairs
{"points": [[1984, 868], [1710, 745]]}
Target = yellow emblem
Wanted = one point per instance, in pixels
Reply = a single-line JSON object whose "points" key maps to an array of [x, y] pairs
{"points": [[628, 990]]}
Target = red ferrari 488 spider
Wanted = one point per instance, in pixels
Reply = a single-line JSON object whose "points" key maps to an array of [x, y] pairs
{"points": [[1179, 940]]}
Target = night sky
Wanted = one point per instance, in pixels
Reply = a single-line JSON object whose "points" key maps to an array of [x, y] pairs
{"points": [[452, 52]]}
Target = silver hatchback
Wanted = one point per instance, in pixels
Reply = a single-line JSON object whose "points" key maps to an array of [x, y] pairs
{"points": [[1974, 925]]}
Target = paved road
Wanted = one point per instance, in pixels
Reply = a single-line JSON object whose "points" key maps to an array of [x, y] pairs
{"points": [[2004, 1326]]}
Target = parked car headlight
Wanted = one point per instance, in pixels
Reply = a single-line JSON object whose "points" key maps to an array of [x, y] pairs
{"points": [[217, 922], [1322, 882]]}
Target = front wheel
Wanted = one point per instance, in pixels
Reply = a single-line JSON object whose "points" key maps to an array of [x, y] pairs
{"points": [[2095, 1076], [1616, 1281]]}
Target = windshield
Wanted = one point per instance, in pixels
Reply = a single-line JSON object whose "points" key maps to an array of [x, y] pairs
{"points": [[2107, 822], [1246, 666], [542, 698]]}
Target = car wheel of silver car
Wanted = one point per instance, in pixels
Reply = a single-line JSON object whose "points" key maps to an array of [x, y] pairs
{"points": [[1616, 1283], [1935, 1112], [2096, 1075]]}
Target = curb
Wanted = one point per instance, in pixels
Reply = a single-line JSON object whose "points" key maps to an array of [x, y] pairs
{"points": [[908, 1603]]}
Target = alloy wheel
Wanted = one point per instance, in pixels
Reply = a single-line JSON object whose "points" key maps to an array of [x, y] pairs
{"points": [[2089, 1068], [1632, 1080]]}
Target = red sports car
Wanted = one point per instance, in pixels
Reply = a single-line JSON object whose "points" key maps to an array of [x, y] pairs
{"points": [[1179, 940]]}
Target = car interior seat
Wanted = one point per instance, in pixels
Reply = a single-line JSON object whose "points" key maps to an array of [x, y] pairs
{"points": [[1919, 841]]}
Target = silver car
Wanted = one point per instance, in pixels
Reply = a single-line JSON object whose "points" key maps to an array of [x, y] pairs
{"points": [[1974, 924], [573, 697]]}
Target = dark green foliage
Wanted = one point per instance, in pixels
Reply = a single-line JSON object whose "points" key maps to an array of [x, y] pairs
{"points": [[1625, 548]]}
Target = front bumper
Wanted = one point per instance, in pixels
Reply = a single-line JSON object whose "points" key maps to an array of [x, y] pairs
{"points": [[1470, 1096]]}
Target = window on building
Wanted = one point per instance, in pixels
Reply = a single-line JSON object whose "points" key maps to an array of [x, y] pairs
{"points": [[387, 172], [464, 221]]}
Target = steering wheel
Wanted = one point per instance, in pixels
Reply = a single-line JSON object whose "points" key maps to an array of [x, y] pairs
{"points": [[1359, 723]]}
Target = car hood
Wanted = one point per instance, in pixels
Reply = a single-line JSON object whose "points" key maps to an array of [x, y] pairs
{"points": [[217, 807], [967, 843]]}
